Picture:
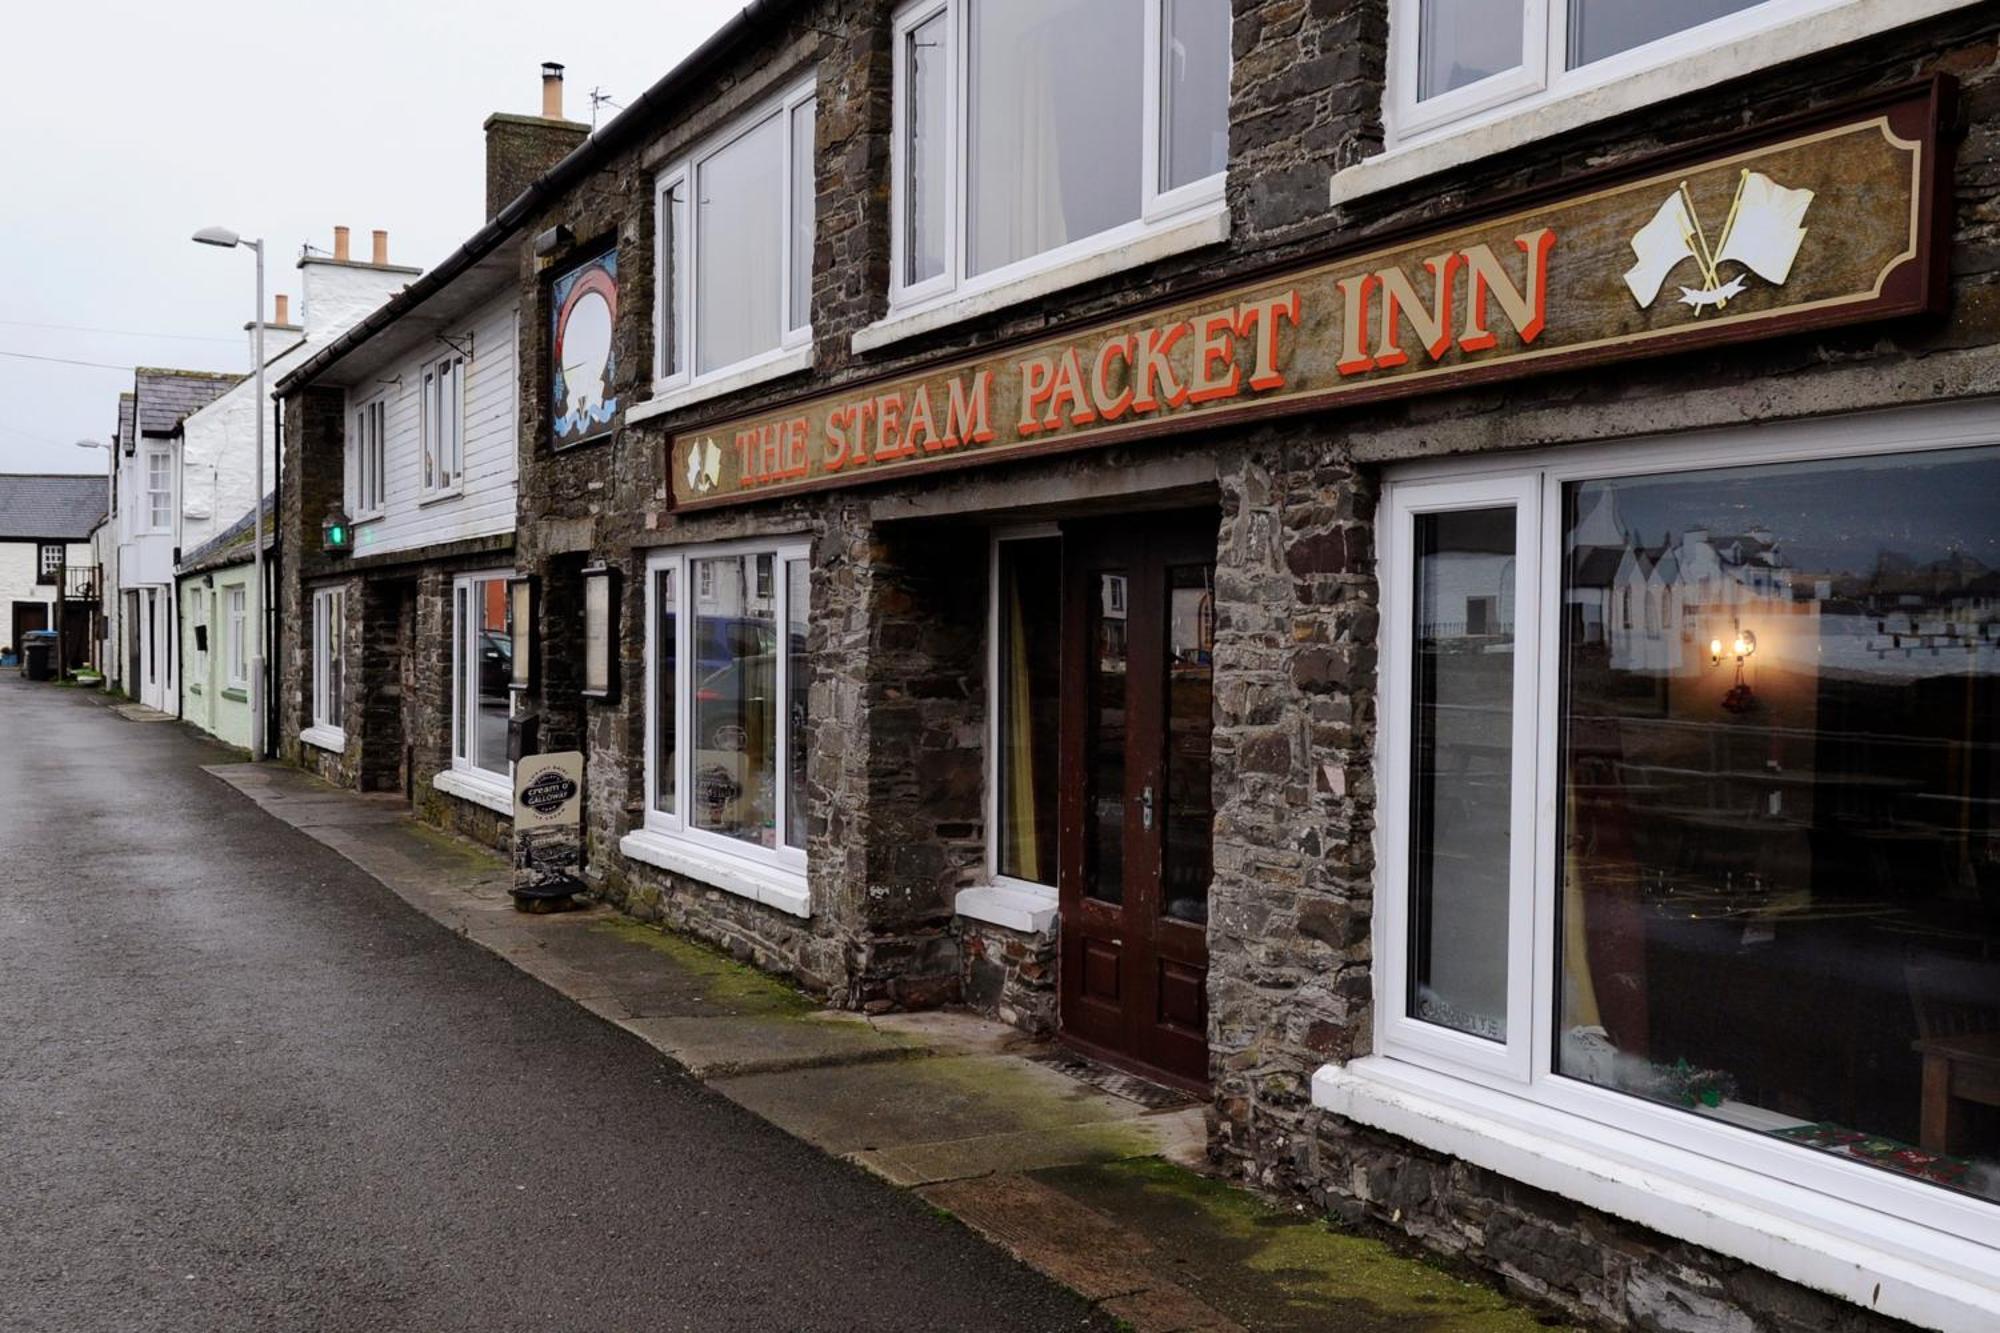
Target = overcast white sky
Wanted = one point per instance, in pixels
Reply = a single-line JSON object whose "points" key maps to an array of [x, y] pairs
{"points": [[132, 123]]}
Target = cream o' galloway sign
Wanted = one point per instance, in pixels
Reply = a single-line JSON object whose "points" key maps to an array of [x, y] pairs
{"points": [[1821, 221], [548, 818]]}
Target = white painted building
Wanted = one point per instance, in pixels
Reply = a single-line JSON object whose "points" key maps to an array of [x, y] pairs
{"points": [[46, 524]]}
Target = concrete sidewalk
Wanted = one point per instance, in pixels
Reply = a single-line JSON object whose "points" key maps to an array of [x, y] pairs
{"points": [[1085, 1174]]}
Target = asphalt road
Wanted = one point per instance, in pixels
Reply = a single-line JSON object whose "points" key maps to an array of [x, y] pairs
{"points": [[244, 1086]]}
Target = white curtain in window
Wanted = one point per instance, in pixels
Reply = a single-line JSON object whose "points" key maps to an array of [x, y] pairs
{"points": [[740, 192]]}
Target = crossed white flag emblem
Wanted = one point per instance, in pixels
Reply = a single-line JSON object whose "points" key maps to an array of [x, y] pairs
{"points": [[1763, 233]]}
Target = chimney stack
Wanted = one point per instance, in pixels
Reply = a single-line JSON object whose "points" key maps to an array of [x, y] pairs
{"points": [[284, 311], [340, 244], [520, 148], [552, 79], [381, 238]]}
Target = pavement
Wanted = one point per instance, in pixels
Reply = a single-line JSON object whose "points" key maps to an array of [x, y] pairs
{"points": [[1088, 1176]]}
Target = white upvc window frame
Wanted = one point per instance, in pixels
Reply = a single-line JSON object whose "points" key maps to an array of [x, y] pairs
{"points": [[465, 777], [47, 570], [775, 876], [678, 300], [329, 609], [368, 456], [441, 409], [1005, 900], [1866, 1205], [1544, 74], [1159, 209], [158, 501], [236, 622]]}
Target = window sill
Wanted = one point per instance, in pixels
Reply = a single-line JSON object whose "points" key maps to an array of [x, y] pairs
{"points": [[1513, 126], [1015, 906], [237, 693], [1881, 1263], [439, 497], [791, 361], [1207, 227], [489, 792], [783, 889], [325, 738]]}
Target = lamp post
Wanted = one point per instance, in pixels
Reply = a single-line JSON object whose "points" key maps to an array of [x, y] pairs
{"points": [[227, 239]]}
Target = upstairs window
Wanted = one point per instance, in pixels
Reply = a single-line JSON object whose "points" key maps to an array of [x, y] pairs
{"points": [[1452, 59], [366, 460], [159, 490], [48, 562], [736, 238], [1034, 131], [444, 425]]}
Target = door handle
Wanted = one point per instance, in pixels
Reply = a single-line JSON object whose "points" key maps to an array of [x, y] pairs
{"points": [[1146, 808]]}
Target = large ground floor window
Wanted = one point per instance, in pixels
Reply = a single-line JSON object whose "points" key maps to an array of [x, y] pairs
{"points": [[1691, 801], [329, 667], [1026, 708], [482, 666], [728, 682]]}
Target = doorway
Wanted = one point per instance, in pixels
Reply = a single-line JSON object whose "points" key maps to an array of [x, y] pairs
{"points": [[28, 617], [1137, 808]]}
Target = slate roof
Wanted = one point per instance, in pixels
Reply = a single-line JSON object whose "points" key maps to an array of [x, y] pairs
{"points": [[231, 546], [39, 506], [125, 421], [165, 396]]}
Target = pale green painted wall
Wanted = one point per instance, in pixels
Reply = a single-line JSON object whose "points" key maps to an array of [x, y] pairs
{"points": [[208, 699]]}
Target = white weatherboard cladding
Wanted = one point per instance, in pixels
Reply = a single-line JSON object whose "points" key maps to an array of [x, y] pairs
{"points": [[483, 504], [218, 479]]}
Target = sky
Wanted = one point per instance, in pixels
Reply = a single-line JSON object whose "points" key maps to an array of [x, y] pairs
{"points": [[132, 125]]}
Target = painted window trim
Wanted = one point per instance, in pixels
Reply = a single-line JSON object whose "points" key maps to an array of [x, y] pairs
{"points": [[1897, 1267], [147, 492], [776, 876], [433, 483], [1159, 211], [485, 790], [327, 603], [464, 769], [678, 310], [238, 628], [45, 572], [368, 424], [1658, 72], [1750, 1162]]}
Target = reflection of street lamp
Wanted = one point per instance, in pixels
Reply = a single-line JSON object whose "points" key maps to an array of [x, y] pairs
{"points": [[1740, 647], [229, 240]]}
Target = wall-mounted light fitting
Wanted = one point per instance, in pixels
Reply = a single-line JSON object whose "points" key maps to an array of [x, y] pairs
{"points": [[600, 632], [521, 633]]}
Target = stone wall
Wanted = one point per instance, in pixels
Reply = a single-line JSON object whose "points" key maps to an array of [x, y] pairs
{"points": [[1010, 975]]}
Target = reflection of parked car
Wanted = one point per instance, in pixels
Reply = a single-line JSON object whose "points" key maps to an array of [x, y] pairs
{"points": [[496, 661], [733, 700]]}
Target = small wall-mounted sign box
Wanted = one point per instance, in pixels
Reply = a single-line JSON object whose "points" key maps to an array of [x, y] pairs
{"points": [[521, 633], [600, 633], [336, 534]]}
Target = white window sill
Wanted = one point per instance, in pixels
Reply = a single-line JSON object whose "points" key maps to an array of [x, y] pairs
{"points": [[326, 738], [439, 497], [1017, 907], [489, 792], [1895, 1267], [774, 887], [789, 362], [1506, 128], [1207, 227]]}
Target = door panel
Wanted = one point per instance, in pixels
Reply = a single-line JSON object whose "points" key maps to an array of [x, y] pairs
{"points": [[1138, 810]]}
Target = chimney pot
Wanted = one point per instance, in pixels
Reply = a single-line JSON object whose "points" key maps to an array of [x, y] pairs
{"points": [[284, 313], [340, 244], [552, 90], [381, 239]]}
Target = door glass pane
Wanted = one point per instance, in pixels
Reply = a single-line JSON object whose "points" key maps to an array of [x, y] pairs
{"points": [[798, 690], [1460, 42], [1194, 90], [735, 699], [1055, 123], [1188, 803], [800, 297], [493, 651], [1461, 761], [1780, 888], [336, 622], [928, 136], [739, 196], [1104, 741], [1028, 695], [1600, 28], [666, 684]]}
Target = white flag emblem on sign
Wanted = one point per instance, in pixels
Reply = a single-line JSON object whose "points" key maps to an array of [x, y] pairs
{"points": [[1660, 244], [1765, 235]]}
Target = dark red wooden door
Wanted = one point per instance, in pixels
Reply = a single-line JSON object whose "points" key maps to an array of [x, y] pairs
{"points": [[1137, 810]]}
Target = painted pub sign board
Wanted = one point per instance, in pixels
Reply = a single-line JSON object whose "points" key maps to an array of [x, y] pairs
{"points": [[1822, 222], [583, 312]]}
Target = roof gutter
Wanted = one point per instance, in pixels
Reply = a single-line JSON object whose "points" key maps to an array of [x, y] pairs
{"points": [[750, 21]]}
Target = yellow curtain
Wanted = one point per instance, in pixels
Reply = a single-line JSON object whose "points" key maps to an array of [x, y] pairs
{"points": [[1017, 731]]}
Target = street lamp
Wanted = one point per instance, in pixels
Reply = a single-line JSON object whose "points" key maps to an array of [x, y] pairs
{"points": [[229, 240]]}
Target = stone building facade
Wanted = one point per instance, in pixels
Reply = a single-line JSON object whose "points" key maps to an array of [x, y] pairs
{"points": [[807, 712]]}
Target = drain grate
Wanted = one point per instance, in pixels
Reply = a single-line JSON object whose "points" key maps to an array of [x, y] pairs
{"points": [[1116, 1082]]}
